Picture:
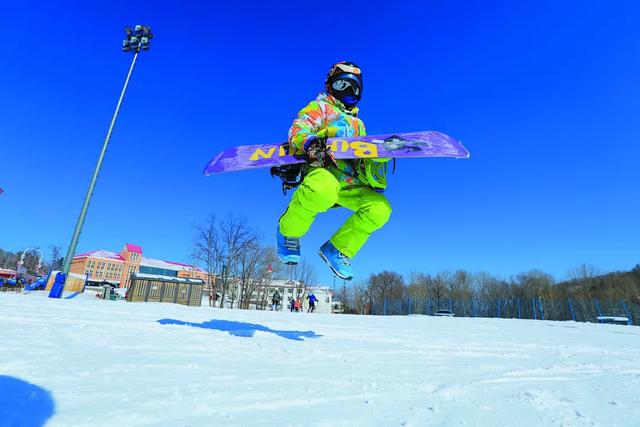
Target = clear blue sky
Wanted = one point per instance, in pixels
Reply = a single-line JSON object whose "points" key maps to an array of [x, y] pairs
{"points": [[544, 94]]}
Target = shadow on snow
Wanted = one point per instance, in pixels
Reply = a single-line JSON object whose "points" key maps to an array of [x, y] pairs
{"points": [[241, 329], [23, 403]]}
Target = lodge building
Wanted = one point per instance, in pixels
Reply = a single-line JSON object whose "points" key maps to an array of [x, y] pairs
{"points": [[116, 268]]}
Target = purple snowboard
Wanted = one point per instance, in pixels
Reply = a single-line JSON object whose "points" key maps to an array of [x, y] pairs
{"points": [[403, 145]]}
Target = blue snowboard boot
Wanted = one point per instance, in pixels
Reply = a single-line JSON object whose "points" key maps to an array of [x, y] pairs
{"points": [[288, 248], [335, 259]]}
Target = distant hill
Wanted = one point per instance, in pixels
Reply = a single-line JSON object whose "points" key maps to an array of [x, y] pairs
{"points": [[619, 284]]}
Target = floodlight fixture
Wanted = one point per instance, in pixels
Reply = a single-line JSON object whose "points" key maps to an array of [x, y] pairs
{"points": [[137, 39]]}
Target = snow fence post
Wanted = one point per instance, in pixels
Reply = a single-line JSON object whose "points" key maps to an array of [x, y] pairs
{"points": [[533, 304], [541, 310], [626, 312], [598, 310], [573, 314]]}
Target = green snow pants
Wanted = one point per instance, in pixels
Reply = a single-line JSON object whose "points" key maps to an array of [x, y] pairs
{"points": [[319, 192]]}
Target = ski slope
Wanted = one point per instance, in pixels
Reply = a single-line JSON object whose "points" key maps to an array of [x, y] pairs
{"points": [[88, 362]]}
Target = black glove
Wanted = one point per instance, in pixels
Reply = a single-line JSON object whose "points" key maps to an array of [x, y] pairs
{"points": [[318, 154]]}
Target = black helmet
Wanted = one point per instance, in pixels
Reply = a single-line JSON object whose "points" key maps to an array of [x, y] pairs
{"points": [[344, 82]]}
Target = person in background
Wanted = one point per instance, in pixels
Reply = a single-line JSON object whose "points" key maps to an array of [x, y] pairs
{"points": [[275, 301], [298, 304], [312, 303]]}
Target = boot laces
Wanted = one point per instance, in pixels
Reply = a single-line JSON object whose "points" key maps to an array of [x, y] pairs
{"points": [[344, 259], [292, 243]]}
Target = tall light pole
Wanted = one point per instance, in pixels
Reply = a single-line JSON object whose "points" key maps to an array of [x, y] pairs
{"points": [[137, 40]]}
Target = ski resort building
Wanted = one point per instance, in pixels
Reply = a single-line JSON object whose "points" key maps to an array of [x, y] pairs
{"points": [[261, 296], [115, 268]]}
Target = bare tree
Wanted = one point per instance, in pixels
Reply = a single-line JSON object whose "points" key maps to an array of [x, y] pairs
{"points": [[583, 279], [8, 259], [386, 285], [255, 269], [438, 287], [274, 269], [236, 236], [249, 264], [583, 271], [207, 250], [418, 290], [305, 273], [360, 302], [488, 289], [57, 260], [461, 287], [535, 283]]}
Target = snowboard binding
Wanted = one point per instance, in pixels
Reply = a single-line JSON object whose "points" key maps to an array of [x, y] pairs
{"points": [[291, 175]]}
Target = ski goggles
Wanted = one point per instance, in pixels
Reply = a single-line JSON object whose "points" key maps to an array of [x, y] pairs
{"points": [[344, 68], [347, 83]]}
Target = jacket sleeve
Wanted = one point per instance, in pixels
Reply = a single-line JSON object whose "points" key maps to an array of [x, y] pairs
{"points": [[362, 131], [306, 125]]}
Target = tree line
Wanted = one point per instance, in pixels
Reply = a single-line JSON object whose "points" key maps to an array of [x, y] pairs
{"points": [[584, 283], [240, 266], [51, 260]]}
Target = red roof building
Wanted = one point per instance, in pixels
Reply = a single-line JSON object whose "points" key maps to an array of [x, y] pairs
{"points": [[116, 268]]}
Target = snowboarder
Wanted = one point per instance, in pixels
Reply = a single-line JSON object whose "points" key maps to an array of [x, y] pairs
{"points": [[312, 303], [354, 184]]}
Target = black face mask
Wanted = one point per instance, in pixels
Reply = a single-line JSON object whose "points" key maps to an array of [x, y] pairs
{"points": [[347, 88]]}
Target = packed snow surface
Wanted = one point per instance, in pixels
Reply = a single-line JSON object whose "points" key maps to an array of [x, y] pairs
{"points": [[112, 363]]}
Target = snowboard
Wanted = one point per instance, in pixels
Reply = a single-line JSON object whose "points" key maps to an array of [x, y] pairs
{"points": [[402, 145]]}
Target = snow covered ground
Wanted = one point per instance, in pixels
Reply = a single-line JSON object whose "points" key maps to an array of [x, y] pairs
{"points": [[111, 363]]}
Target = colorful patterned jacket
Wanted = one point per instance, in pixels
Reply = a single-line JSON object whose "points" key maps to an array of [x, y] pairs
{"points": [[327, 116]]}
